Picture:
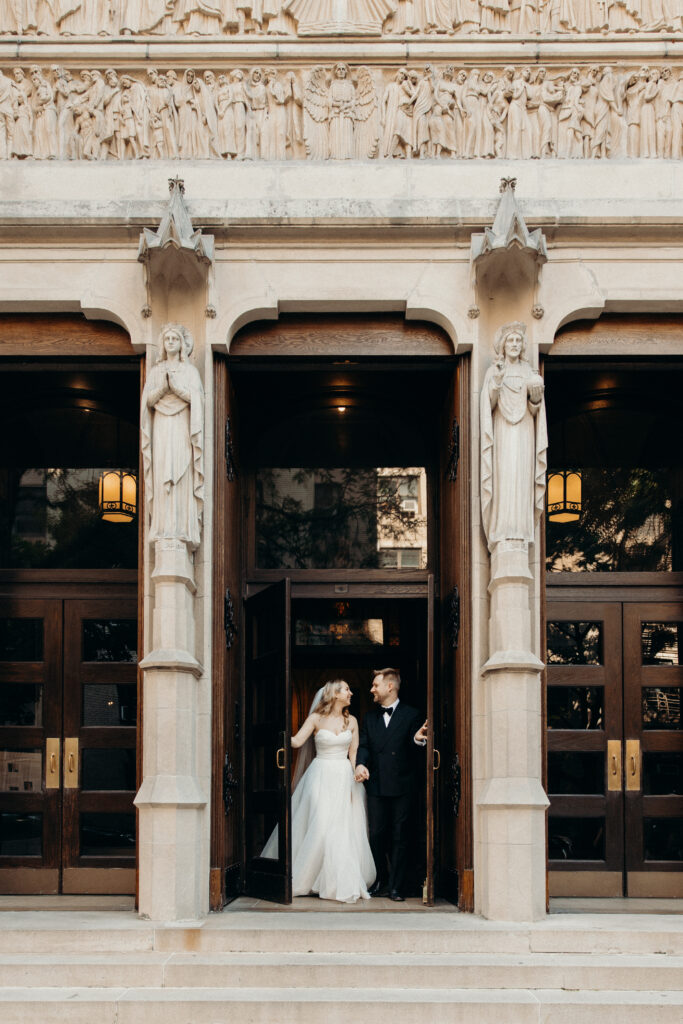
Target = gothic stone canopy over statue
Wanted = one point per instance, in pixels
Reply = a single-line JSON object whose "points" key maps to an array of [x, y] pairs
{"points": [[514, 442], [342, 112], [172, 438]]}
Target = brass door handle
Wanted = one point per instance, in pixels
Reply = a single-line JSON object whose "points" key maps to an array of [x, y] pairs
{"points": [[634, 762], [614, 772], [437, 760], [71, 764], [52, 763], [277, 759]]}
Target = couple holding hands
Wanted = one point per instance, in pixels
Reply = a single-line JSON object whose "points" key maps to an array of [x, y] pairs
{"points": [[332, 816]]}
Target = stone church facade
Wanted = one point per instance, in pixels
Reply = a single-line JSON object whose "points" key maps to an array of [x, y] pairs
{"points": [[324, 197]]}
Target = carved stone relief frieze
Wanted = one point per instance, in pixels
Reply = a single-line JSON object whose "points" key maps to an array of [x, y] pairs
{"points": [[325, 18], [342, 112]]}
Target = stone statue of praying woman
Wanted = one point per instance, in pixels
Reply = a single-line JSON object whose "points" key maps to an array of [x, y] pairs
{"points": [[514, 442], [172, 433]]}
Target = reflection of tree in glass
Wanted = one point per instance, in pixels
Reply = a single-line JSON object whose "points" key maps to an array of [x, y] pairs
{"points": [[660, 643], [327, 518], [625, 525], [574, 643], [76, 535]]}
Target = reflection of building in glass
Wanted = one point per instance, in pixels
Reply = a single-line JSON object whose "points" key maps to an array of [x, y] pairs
{"points": [[20, 771], [341, 517], [402, 520]]}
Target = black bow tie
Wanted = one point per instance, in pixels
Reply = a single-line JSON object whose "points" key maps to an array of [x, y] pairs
{"points": [[388, 711]]}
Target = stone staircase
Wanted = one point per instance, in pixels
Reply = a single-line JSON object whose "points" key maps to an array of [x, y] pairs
{"points": [[329, 968]]}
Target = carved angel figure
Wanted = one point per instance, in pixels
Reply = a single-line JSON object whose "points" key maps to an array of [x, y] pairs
{"points": [[341, 120], [514, 442], [172, 440]]}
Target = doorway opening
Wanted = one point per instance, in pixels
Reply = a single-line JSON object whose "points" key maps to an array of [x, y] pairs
{"points": [[341, 514], [68, 627], [614, 590], [297, 643]]}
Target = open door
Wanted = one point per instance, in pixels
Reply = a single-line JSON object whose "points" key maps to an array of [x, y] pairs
{"points": [[267, 750], [454, 837], [433, 755]]}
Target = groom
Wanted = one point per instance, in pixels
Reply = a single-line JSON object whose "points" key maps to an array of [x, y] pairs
{"points": [[385, 761]]}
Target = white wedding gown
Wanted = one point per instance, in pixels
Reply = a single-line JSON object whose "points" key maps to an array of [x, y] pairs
{"points": [[330, 849]]}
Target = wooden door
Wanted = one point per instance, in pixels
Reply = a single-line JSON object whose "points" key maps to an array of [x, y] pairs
{"points": [[30, 745], [584, 740], [68, 707], [653, 749], [433, 753], [453, 705], [226, 876], [99, 761], [266, 766]]}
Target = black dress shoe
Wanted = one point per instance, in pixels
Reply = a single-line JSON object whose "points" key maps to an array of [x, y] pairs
{"points": [[396, 896], [378, 889]]}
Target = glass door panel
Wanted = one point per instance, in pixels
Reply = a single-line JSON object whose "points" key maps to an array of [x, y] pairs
{"points": [[267, 749], [584, 726], [100, 704], [653, 680], [30, 745]]}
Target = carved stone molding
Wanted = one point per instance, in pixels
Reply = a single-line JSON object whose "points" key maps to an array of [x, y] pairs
{"points": [[342, 112]]}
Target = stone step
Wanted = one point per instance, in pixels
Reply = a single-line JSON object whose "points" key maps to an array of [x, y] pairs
{"points": [[369, 933], [335, 1006], [570, 972], [445, 933]]}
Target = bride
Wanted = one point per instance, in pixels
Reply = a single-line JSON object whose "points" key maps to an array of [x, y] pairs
{"points": [[330, 849]]}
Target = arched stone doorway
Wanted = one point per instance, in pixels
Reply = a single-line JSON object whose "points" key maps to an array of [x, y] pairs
{"points": [[310, 409]]}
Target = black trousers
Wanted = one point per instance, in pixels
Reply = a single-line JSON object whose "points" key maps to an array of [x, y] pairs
{"points": [[389, 821]]}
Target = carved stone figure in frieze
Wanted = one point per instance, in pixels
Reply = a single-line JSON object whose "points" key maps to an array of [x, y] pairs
{"points": [[340, 120], [172, 439], [514, 442], [6, 117]]}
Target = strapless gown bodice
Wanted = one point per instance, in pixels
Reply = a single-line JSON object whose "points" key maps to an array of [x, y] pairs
{"points": [[331, 746]]}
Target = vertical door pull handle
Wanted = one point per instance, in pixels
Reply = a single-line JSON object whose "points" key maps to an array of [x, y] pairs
{"points": [[614, 773], [52, 762], [281, 765], [634, 763], [437, 760], [71, 765]]}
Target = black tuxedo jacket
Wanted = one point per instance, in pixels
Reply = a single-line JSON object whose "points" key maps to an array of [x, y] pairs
{"points": [[389, 752]]}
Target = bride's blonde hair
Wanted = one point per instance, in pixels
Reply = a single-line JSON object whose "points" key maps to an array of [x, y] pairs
{"points": [[328, 697]]}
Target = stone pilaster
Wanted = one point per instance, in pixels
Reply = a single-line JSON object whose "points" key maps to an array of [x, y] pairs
{"points": [[513, 802], [172, 801], [510, 801]]}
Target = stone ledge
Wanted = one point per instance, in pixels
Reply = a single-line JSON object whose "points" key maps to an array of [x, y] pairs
{"points": [[175, 660]]}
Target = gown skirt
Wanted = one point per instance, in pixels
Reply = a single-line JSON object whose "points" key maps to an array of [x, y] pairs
{"points": [[331, 854]]}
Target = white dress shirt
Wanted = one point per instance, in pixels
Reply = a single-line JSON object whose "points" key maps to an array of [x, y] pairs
{"points": [[392, 707], [387, 719]]}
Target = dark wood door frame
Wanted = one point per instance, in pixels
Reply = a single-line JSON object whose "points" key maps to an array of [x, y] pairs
{"points": [[636, 596], [454, 805], [59, 598]]}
